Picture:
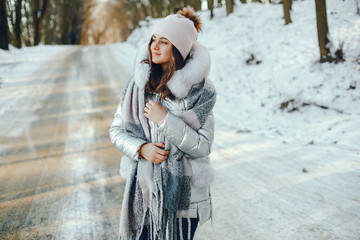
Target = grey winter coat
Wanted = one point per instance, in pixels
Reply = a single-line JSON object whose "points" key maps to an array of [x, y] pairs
{"points": [[195, 144]]}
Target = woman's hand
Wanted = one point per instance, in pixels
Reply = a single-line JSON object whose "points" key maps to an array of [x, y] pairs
{"points": [[153, 152], [155, 112]]}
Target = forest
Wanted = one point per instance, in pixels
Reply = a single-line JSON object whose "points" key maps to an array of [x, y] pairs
{"points": [[33, 22]]}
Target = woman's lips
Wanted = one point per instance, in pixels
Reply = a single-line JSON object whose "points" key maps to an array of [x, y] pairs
{"points": [[156, 54]]}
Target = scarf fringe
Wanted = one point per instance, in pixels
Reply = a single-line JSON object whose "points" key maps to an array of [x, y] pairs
{"points": [[170, 230]]}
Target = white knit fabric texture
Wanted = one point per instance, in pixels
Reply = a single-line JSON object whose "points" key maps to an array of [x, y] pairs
{"points": [[179, 30]]}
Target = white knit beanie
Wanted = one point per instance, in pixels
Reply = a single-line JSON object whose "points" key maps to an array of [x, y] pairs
{"points": [[179, 30]]}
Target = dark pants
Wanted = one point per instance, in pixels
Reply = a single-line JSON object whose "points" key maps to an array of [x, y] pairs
{"points": [[185, 228]]}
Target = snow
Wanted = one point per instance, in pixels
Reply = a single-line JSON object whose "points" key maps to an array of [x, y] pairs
{"points": [[281, 174], [250, 95]]}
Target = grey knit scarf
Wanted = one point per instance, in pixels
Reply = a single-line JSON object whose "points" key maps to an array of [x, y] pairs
{"points": [[155, 192]]}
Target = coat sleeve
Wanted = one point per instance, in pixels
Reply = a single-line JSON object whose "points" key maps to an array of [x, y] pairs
{"points": [[128, 145], [196, 144]]}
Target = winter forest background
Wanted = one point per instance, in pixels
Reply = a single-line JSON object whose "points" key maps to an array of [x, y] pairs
{"points": [[286, 152], [30, 22]]}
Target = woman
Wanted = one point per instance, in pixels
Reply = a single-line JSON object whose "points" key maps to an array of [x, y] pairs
{"points": [[164, 126]]}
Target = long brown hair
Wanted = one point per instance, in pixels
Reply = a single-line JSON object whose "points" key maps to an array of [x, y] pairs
{"points": [[158, 77]]}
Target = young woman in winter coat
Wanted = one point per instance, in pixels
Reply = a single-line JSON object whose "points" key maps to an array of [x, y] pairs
{"points": [[164, 126]]}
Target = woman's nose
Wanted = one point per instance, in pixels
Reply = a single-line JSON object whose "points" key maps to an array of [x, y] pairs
{"points": [[155, 45]]}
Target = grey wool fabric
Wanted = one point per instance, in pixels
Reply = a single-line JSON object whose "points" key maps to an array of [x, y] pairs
{"points": [[155, 192]]}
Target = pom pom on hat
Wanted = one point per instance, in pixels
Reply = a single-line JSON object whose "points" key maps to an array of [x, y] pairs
{"points": [[179, 30]]}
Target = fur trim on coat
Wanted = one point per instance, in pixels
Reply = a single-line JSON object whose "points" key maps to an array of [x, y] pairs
{"points": [[196, 69]]}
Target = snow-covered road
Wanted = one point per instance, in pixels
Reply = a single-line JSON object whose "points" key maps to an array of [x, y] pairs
{"points": [[268, 189], [59, 172]]}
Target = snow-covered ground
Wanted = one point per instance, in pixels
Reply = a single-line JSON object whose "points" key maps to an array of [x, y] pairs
{"points": [[290, 173], [250, 94]]}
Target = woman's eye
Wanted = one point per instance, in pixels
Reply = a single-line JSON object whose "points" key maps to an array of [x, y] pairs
{"points": [[163, 42]]}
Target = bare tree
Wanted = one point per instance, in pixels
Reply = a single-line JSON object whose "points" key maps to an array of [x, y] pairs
{"points": [[13, 11], [27, 27], [196, 4], [38, 13], [286, 7], [17, 24], [229, 6], [4, 36], [323, 31], [211, 7], [66, 22], [157, 8]]}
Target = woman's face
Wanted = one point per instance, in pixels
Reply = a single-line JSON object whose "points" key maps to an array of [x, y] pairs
{"points": [[161, 50]]}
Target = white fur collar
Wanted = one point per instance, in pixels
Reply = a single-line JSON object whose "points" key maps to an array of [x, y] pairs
{"points": [[195, 70]]}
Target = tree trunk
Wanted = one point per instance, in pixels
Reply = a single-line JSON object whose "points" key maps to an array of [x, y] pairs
{"points": [[323, 31], [229, 6], [65, 36], [286, 7], [17, 25], [27, 27], [38, 17], [211, 7], [196, 5], [4, 37]]}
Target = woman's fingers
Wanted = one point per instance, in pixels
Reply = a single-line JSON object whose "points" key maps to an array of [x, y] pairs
{"points": [[154, 152], [149, 104], [155, 112], [160, 144], [159, 160], [163, 153], [160, 157], [147, 111]]}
